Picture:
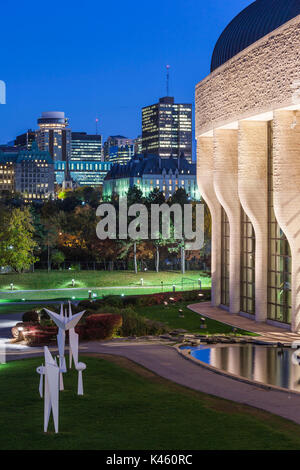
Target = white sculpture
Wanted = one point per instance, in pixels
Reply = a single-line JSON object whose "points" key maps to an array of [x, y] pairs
{"points": [[73, 353], [50, 392], [64, 323]]}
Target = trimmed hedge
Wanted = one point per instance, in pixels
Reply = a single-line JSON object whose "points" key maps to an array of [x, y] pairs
{"points": [[33, 333], [30, 316], [147, 299], [102, 326], [137, 325]]}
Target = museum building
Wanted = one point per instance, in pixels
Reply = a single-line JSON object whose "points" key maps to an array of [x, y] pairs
{"points": [[248, 162]]}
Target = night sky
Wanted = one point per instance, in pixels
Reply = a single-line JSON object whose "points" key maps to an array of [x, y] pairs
{"points": [[103, 59]]}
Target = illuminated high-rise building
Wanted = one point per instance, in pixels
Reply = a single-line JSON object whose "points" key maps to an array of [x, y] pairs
{"points": [[25, 140], [86, 147], [121, 153], [115, 141], [167, 129], [54, 135]]}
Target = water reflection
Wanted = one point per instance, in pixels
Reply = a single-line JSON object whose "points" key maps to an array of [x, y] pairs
{"points": [[264, 364]]}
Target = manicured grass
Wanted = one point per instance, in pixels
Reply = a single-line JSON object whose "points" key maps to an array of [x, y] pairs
{"points": [[101, 282], [85, 279], [191, 321], [126, 407], [7, 308], [79, 293]]}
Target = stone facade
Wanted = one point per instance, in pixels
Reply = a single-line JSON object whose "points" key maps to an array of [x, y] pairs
{"points": [[234, 107], [260, 79]]}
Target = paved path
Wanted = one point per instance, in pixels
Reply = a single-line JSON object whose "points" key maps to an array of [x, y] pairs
{"points": [[269, 333], [166, 362]]}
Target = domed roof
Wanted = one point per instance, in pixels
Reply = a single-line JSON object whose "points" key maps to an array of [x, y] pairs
{"points": [[254, 22]]}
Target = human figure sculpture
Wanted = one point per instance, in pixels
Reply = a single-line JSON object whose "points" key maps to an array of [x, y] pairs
{"points": [[50, 389]]}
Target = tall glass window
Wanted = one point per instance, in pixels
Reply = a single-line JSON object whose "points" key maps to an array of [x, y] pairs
{"points": [[279, 256], [247, 265], [225, 240]]}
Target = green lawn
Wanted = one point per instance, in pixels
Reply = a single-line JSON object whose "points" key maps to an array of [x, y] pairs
{"points": [[7, 308], [84, 279], [97, 280], [191, 321], [126, 407]]}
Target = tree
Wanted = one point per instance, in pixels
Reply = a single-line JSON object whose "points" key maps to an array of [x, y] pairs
{"points": [[16, 240], [57, 258]]}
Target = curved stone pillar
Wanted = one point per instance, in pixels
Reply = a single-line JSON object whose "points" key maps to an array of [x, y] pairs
{"points": [[286, 173], [253, 193], [205, 167], [226, 187]]}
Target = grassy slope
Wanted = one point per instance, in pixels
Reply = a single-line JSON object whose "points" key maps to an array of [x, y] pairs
{"points": [[128, 407], [84, 279], [190, 322], [98, 279]]}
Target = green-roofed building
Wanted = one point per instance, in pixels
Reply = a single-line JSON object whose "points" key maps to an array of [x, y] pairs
{"points": [[29, 172]]}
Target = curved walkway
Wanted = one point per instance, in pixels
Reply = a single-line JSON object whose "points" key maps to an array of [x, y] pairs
{"points": [[166, 362], [268, 333]]}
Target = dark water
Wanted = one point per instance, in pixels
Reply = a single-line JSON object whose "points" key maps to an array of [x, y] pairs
{"points": [[269, 365]]}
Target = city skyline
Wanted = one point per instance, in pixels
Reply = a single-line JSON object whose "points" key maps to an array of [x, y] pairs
{"points": [[109, 76]]}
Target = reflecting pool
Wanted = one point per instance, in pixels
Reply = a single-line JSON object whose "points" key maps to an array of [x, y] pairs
{"points": [[266, 364]]}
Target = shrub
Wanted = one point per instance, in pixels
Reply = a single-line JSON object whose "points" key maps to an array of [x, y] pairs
{"points": [[36, 335], [103, 325], [87, 304], [114, 300], [81, 331], [30, 316], [137, 325]]}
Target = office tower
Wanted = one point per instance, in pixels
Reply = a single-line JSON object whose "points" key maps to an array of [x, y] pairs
{"points": [[86, 147], [25, 140], [121, 153], [54, 135], [115, 141], [138, 145], [167, 129]]}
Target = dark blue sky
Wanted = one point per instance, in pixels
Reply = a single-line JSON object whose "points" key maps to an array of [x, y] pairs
{"points": [[104, 59]]}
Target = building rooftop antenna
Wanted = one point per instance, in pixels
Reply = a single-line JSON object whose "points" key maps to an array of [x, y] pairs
{"points": [[97, 120], [168, 78]]}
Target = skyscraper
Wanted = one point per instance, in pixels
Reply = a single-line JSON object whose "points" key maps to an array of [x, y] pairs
{"points": [[86, 147], [54, 135], [115, 141], [167, 129], [25, 140], [121, 153]]}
